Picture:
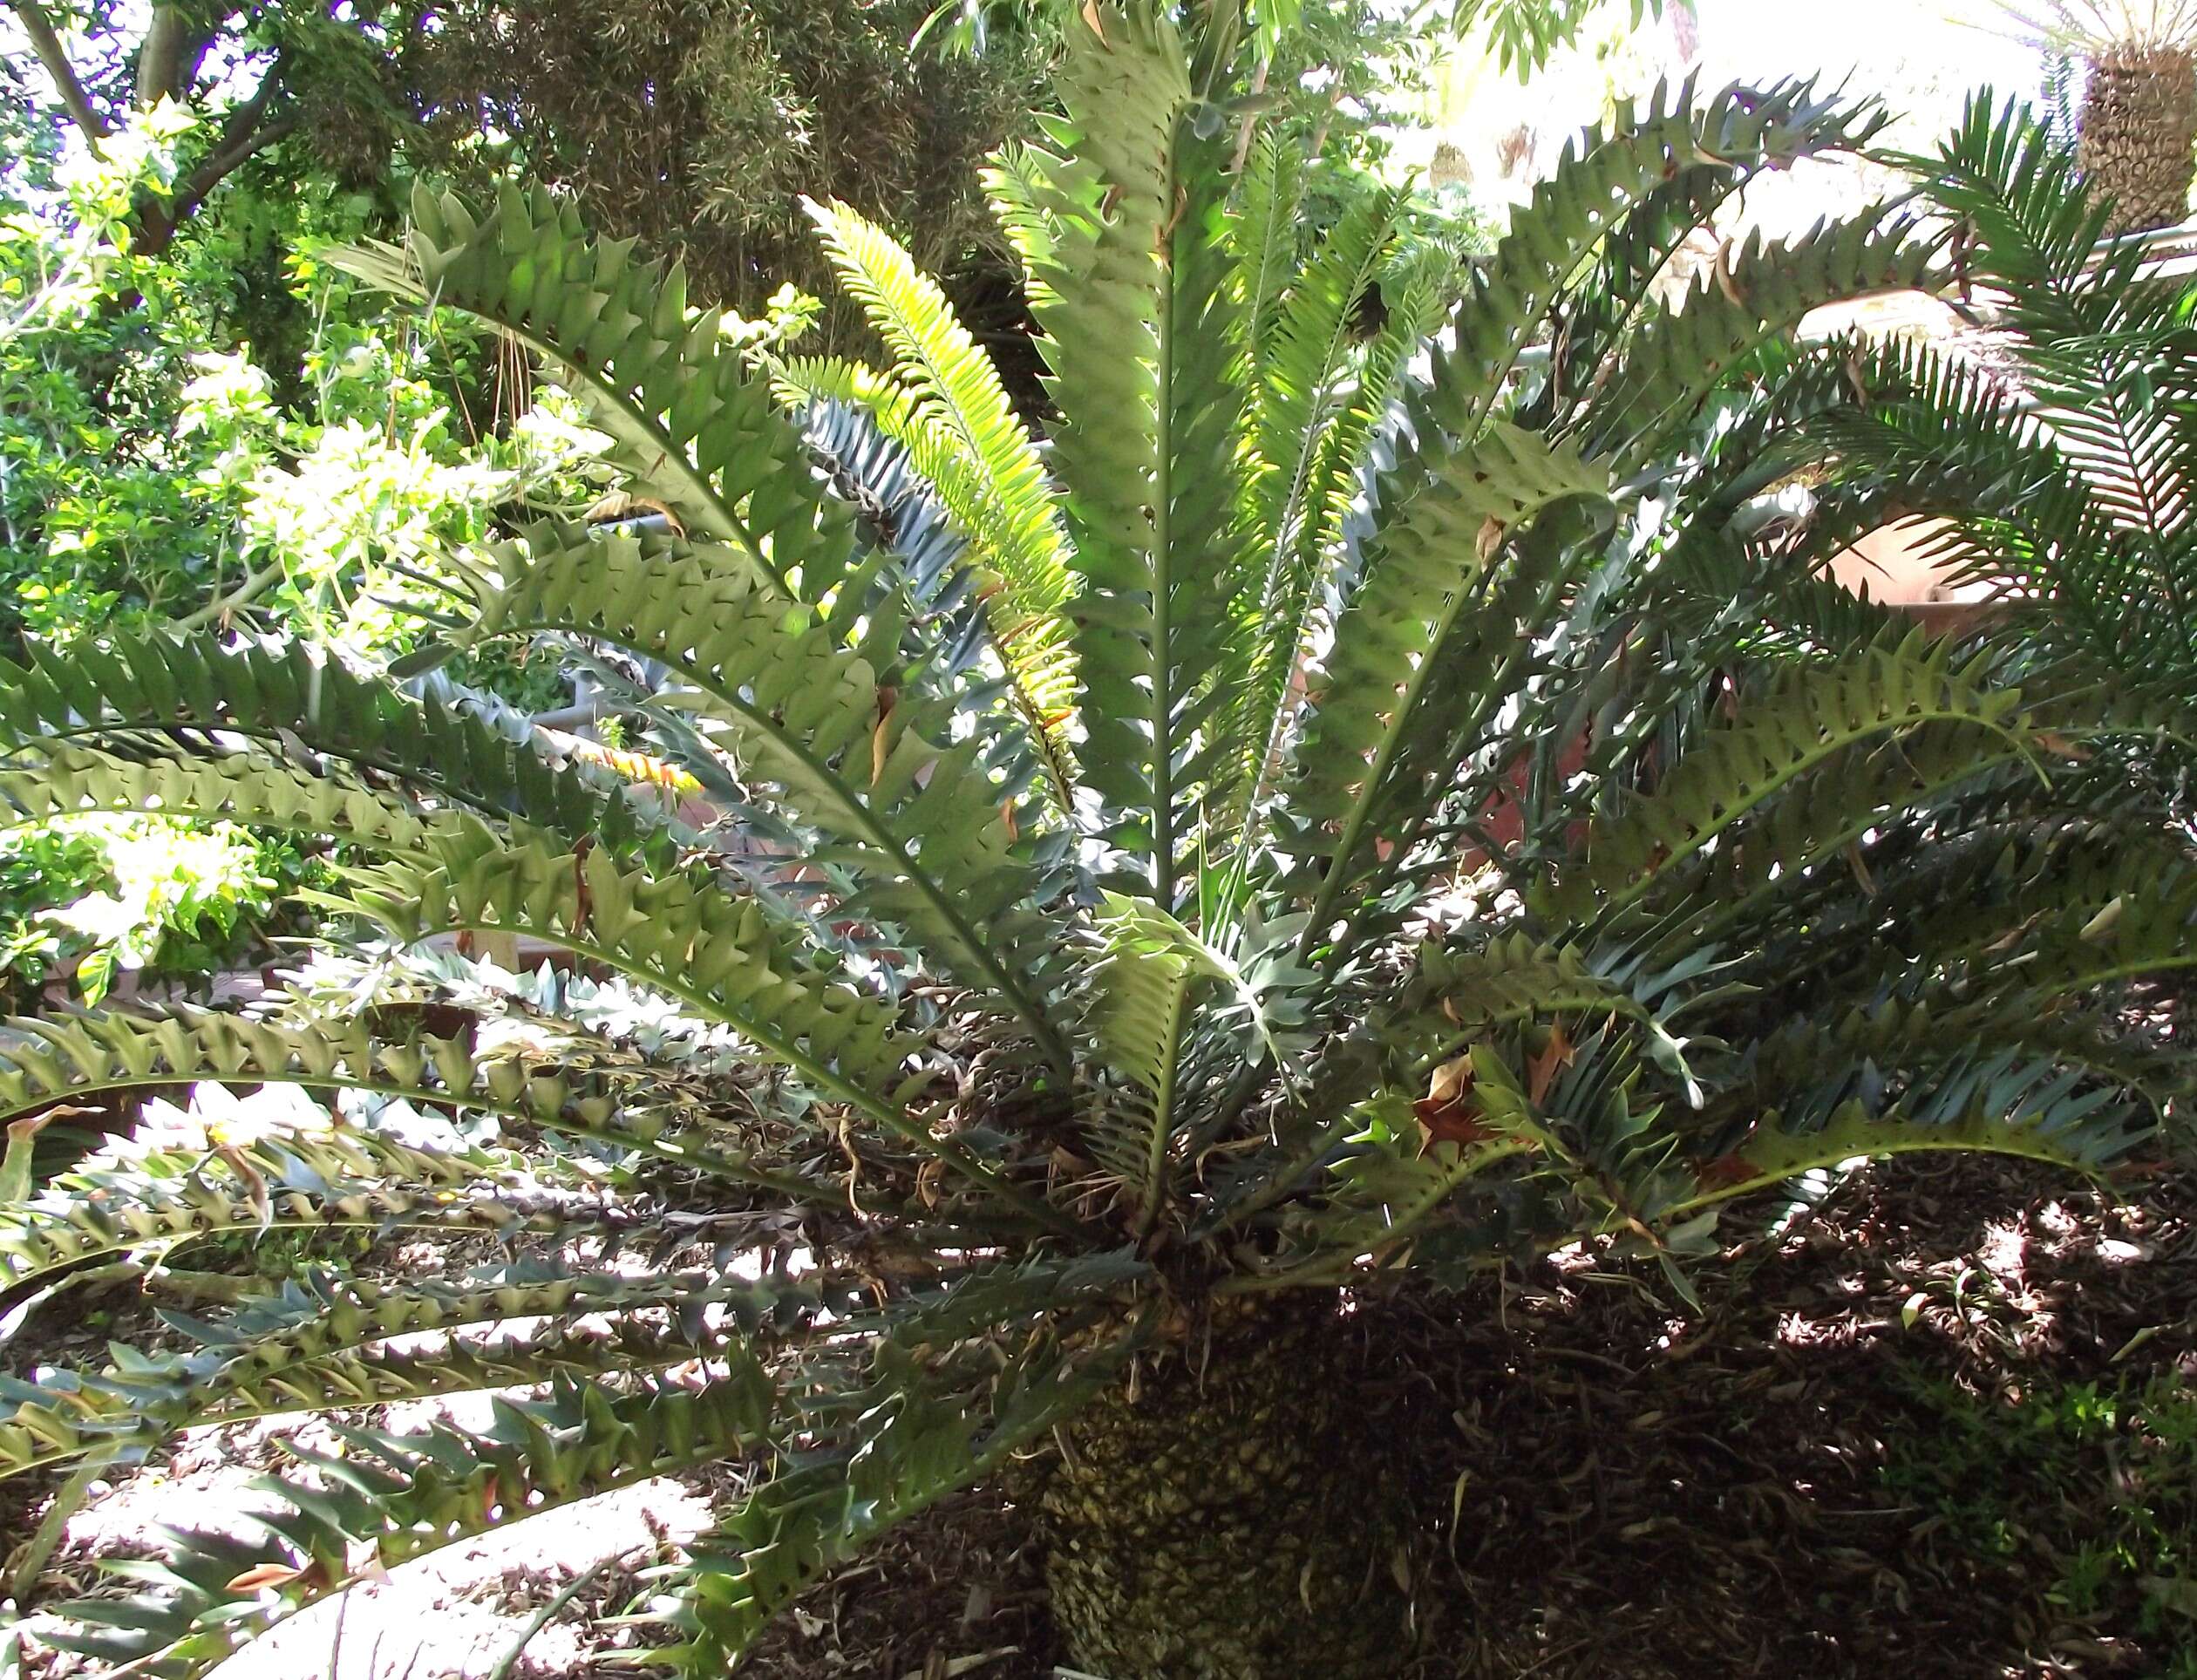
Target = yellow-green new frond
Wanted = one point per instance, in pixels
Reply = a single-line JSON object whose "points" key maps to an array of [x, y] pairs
{"points": [[1140, 996], [956, 389], [998, 491], [1265, 234], [1033, 641]]}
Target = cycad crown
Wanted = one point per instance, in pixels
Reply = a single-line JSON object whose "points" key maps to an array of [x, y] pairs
{"points": [[1339, 810], [2060, 473]]}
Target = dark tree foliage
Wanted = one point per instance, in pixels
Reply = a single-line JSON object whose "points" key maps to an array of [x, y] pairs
{"points": [[699, 125], [696, 125]]}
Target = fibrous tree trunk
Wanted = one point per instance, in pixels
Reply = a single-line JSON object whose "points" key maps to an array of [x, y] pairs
{"points": [[1230, 1520], [2138, 142]]}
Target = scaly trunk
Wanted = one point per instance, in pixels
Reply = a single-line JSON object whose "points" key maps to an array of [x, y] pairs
{"points": [[2140, 135], [1230, 1522]]}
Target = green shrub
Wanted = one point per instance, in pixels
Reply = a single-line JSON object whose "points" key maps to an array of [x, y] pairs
{"points": [[87, 898]]}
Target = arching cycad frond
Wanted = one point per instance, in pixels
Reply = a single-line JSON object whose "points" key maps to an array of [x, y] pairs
{"points": [[902, 1427], [245, 787], [1651, 177], [1761, 294], [686, 417], [1269, 241], [553, 1085], [845, 737], [155, 1199], [1810, 718], [898, 1443], [2079, 514], [322, 1345], [392, 1498], [1429, 570], [1316, 396], [344, 746]]}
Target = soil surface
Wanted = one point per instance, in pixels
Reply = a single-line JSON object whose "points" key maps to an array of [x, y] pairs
{"points": [[1843, 1462]]}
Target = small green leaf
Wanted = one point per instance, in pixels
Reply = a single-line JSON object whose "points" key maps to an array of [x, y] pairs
{"points": [[15, 1166], [1675, 1276], [429, 656]]}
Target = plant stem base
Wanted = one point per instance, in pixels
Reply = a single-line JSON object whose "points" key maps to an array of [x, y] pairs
{"points": [[1232, 1522], [2140, 135]]}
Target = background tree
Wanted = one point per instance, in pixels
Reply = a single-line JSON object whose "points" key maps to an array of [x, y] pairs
{"points": [[207, 425], [309, 75], [699, 125], [158, 469]]}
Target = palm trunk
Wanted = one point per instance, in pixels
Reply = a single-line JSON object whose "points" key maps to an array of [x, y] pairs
{"points": [[2139, 141], [1230, 1521]]}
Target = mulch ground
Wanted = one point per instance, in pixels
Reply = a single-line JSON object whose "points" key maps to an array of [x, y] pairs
{"points": [[1755, 1489], [1784, 1481], [1643, 1491]]}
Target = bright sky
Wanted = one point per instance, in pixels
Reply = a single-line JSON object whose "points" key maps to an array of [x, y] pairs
{"points": [[1918, 56], [1892, 44]]}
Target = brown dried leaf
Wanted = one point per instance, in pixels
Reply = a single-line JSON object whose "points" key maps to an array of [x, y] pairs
{"points": [[2049, 742], [1448, 1113], [880, 737], [619, 505], [1541, 1073], [1726, 1171], [263, 1575]]}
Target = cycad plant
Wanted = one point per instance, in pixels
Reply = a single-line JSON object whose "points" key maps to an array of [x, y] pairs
{"points": [[1273, 839], [2058, 468], [2138, 123]]}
